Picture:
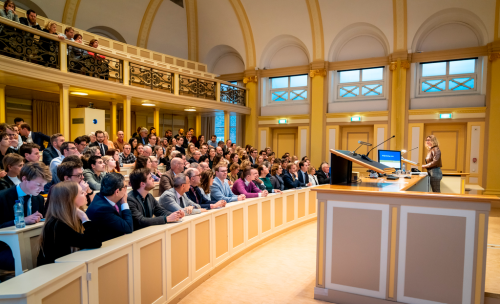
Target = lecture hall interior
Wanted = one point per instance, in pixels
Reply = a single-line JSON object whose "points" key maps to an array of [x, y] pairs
{"points": [[249, 151]]}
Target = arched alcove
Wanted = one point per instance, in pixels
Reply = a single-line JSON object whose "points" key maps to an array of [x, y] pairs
{"points": [[223, 59], [359, 41], [107, 32], [284, 51], [450, 29], [28, 4]]}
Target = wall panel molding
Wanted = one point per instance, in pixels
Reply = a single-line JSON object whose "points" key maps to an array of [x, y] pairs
{"points": [[70, 11]]}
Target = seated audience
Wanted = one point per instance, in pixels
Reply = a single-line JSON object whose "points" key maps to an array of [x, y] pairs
{"points": [[95, 174], [233, 175], [12, 163], [30, 20], [263, 172], [147, 151], [206, 181], [190, 150], [109, 164], [303, 175], [158, 152], [67, 148], [197, 195], [323, 174], [313, 179], [127, 158], [151, 140], [67, 228], [4, 148], [195, 158], [69, 33], [219, 151], [200, 141], [133, 145], [30, 152], [179, 146], [246, 186], [119, 142], [290, 177], [71, 170], [175, 199], [276, 180], [9, 11], [142, 137], [81, 143], [145, 209], [167, 179], [110, 210], [220, 188], [155, 173], [194, 165], [51, 28], [142, 162], [54, 149], [19, 143], [115, 154], [103, 148], [203, 165]]}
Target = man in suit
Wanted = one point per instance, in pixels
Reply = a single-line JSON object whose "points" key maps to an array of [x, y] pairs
{"points": [[100, 142], [142, 137], [323, 174], [33, 178], [54, 150], [197, 195], [33, 137], [253, 156], [176, 199], [30, 152], [30, 20], [195, 158], [143, 205], [167, 179], [110, 210], [246, 186], [220, 187], [302, 174], [290, 177], [67, 148]]}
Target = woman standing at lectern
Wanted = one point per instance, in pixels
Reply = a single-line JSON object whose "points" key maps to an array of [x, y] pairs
{"points": [[433, 162]]}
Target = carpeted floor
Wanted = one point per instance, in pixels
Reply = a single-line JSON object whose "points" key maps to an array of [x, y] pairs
{"points": [[282, 270]]}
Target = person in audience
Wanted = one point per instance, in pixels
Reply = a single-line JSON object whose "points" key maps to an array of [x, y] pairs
{"points": [[253, 156], [290, 177], [107, 141], [167, 179], [276, 180], [54, 150], [13, 137], [164, 144], [217, 160], [162, 159], [266, 180], [4, 148], [96, 173], [220, 188], [246, 186], [71, 170], [200, 141], [30, 20], [195, 157], [12, 163], [206, 181], [136, 133], [303, 175], [197, 194], [203, 166], [9, 11], [323, 174], [155, 173], [67, 148], [19, 139], [18, 121], [67, 228], [147, 151], [175, 199], [142, 162], [110, 210], [233, 159], [109, 164], [213, 141], [145, 209], [115, 154], [51, 28], [94, 151], [69, 33], [168, 135], [211, 155], [30, 152], [93, 138], [313, 179], [190, 150], [219, 151], [78, 39], [142, 137], [119, 142], [133, 145], [81, 143], [100, 142], [127, 159], [151, 140], [234, 169], [139, 149], [179, 146], [271, 158], [152, 130], [263, 153]]}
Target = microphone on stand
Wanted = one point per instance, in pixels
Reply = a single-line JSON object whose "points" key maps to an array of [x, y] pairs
{"points": [[365, 157], [362, 143]]}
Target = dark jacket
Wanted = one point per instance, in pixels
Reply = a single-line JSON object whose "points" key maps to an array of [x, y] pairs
{"points": [[198, 198], [166, 181], [277, 182], [433, 158], [49, 154], [8, 151], [6, 183], [140, 217], [110, 223], [303, 178], [59, 238], [289, 182], [139, 140], [180, 149], [38, 138], [24, 20], [8, 198], [96, 144], [322, 178]]}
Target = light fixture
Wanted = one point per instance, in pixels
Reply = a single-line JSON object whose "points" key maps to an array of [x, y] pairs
{"points": [[403, 152], [282, 121], [79, 93], [148, 103], [355, 118], [445, 116], [190, 110]]}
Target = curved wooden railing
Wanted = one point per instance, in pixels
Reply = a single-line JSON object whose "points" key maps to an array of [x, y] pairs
{"points": [[163, 263]]}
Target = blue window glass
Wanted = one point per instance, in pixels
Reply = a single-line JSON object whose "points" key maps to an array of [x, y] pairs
{"points": [[280, 82], [298, 81], [298, 95], [219, 127], [462, 66], [349, 76], [280, 96], [433, 69], [435, 85], [371, 90], [350, 91], [461, 84], [372, 74]]}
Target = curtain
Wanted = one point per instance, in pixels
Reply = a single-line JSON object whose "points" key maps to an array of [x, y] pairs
{"points": [[208, 127], [119, 121], [46, 117]]}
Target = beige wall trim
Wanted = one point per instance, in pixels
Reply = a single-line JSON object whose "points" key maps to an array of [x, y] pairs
{"points": [[317, 29], [147, 22], [192, 28], [303, 69], [246, 30], [450, 54], [358, 63], [352, 124], [231, 77], [289, 122], [362, 114], [448, 110], [400, 25], [284, 126], [305, 116], [70, 11], [454, 116], [365, 119]]}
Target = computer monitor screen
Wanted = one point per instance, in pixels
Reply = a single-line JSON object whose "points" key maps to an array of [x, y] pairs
{"points": [[390, 158]]}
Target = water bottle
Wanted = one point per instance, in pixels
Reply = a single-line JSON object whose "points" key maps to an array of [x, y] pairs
{"points": [[19, 214]]}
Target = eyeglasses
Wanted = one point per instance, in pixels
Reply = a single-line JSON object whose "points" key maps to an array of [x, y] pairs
{"points": [[77, 175], [11, 135]]}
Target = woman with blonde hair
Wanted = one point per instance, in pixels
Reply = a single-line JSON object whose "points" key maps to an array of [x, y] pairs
{"points": [[67, 228], [206, 180], [234, 169], [109, 164], [433, 162], [312, 176], [115, 154], [155, 173], [106, 140], [190, 150]]}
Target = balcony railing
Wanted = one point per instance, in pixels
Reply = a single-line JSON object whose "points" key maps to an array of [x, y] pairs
{"points": [[153, 79], [232, 94], [195, 87], [95, 65]]}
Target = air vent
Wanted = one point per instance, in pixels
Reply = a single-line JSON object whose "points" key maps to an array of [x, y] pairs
{"points": [[179, 2]]}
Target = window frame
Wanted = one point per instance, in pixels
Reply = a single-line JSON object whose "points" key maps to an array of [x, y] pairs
{"points": [[476, 76], [269, 94], [337, 85]]}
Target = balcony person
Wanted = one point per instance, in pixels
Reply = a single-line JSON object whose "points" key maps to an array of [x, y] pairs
{"points": [[30, 20], [9, 11]]}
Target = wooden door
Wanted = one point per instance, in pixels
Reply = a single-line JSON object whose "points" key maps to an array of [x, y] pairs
{"points": [[350, 138], [285, 140], [452, 139]]}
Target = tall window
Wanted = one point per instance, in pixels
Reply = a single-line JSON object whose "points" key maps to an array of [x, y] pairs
{"points": [[232, 130], [219, 127], [360, 84], [289, 88], [448, 77]]}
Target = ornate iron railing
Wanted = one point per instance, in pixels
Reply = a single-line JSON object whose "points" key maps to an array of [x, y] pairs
{"points": [[199, 88], [231, 94], [151, 78], [95, 65], [19, 44]]}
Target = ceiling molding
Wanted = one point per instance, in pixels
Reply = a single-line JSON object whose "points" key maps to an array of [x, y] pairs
{"points": [[316, 29], [70, 11], [147, 22], [247, 33], [400, 25], [192, 28], [497, 21]]}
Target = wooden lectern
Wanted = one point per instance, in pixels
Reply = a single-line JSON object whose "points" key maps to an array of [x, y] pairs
{"points": [[341, 166]]}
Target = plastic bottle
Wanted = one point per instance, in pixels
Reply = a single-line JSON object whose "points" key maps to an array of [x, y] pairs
{"points": [[19, 214]]}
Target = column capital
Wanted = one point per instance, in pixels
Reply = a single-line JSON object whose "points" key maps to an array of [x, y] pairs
{"points": [[493, 56], [64, 86], [250, 79], [113, 103], [317, 72], [405, 64]]}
